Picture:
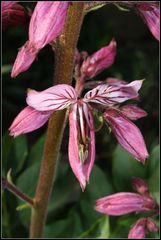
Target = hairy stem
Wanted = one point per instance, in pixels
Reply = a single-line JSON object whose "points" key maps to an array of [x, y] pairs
{"points": [[64, 51]]}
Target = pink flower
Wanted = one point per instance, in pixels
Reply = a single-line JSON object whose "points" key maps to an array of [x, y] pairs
{"points": [[99, 61], [150, 12], [46, 24], [138, 230], [124, 203], [82, 137], [13, 14]]}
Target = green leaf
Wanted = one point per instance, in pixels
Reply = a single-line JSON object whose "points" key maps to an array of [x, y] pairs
{"points": [[66, 187], [70, 227], [27, 183], [99, 229], [14, 153], [124, 168], [37, 151], [153, 170], [7, 143], [99, 186]]}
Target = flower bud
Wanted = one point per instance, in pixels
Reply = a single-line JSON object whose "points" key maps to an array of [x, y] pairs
{"points": [[25, 58], [123, 203], [99, 61], [140, 185], [138, 230]]}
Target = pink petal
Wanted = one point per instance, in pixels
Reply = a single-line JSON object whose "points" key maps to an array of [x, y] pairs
{"points": [[127, 134], [133, 112], [28, 120], [122, 203], [25, 58], [109, 95], [138, 230], [150, 12], [81, 169], [57, 97], [47, 22], [99, 61]]}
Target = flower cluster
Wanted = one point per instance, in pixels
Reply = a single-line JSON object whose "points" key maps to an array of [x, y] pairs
{"points": [[103, 98], [127, 202]]}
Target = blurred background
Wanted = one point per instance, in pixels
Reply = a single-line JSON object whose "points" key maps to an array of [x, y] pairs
{"points": [[71, 212]]}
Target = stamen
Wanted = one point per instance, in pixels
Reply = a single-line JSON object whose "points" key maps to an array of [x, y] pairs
{"points": [[83, 153]]}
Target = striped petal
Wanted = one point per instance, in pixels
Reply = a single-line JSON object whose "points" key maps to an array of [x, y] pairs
{"points": [[81, 143], [106, 94], [54, 98], [127, 134]]}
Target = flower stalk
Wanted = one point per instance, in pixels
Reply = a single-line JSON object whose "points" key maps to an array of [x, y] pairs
{"points": [[64, 54]]}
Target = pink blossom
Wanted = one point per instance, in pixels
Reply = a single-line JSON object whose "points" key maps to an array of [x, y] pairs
{"points": [[82, 137], [127, 134], [138, 230], [123, 203], [99, 61], [46, 24]]}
